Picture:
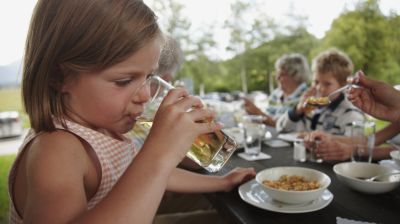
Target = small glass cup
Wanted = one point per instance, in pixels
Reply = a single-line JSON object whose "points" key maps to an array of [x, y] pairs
{"points": [[363, 140], [211, 151], [254, 131], [313, 156]]}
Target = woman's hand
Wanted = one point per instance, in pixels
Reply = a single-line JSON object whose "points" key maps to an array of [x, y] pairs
{"points": [[238, 176], [376, 98], [251, 108]]}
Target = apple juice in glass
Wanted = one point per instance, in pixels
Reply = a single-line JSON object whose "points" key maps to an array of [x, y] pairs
{"points": [[211, 151]]}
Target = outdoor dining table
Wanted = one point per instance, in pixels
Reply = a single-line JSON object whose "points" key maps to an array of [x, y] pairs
{"points": [[346, 203]]}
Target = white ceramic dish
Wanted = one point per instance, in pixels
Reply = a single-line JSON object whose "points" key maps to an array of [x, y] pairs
{"points": [[353, 173], [290, 137], [254, 194], [276, 143], [293, 197], [395, 154]]}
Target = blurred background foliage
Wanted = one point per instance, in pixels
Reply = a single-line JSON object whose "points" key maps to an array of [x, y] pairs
{"points": [[370, 38]]}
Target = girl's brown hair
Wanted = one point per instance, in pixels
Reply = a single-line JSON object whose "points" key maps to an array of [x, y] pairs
{"points": [[73, 36], [334, 62]]}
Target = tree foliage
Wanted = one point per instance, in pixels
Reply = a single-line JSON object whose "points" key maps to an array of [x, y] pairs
{"points": [[370, 38]]}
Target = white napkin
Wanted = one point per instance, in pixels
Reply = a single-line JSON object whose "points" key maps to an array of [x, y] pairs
{"points": [[252, 158], [340, 220]]}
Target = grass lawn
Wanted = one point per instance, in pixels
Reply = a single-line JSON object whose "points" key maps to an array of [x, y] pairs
{"points": [[10, 99], [5, 165]]}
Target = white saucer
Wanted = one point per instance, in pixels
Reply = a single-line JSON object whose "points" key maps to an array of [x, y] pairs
{"points": [[254, 194], [290, 137], [276, 143]]}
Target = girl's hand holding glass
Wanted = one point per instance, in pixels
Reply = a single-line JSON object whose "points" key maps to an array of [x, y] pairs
{"points": [[185, 120], [176, 127]]}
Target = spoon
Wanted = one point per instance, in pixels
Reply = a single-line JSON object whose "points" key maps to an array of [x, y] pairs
{"points": [[377, 177], [323, 101]]}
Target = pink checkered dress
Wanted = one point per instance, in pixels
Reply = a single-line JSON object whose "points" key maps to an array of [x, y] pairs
{"points": [[114, 157]]}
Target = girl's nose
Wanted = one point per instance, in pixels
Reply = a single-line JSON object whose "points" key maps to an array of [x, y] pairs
{"points": [[142, 94]]}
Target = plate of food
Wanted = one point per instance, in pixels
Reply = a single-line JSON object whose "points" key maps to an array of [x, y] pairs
{"points": [[255, 194]]}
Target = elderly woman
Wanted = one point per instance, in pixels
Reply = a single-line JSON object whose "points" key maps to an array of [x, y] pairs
{"points": [[292, 74]]}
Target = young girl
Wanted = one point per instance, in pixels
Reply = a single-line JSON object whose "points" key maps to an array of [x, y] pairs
{"points": [[85, 65]]}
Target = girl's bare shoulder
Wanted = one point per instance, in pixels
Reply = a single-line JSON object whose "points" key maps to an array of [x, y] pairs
{"points": [[57, 149]]}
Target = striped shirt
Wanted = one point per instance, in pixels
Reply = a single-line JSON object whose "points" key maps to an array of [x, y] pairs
{"points": [[278, 104], [335, 118], [114, 157]]}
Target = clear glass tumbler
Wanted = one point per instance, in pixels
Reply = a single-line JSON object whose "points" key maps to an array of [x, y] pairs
{"points": [[211, 151]]}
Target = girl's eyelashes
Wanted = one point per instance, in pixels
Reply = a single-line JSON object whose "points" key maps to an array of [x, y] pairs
{"points": [[123, 82], [129, 80]]}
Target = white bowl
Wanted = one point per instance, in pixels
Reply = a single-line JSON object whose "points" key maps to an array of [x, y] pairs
{"points": [[353, 173], [395, 154], [293, 197]]}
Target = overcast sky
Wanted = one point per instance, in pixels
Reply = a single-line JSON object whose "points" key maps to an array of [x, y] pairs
{"points": [[15, 16]]}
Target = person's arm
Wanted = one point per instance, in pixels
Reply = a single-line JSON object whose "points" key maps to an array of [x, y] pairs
{"points": [[382, 152], [252, 109], [188, 182], [376, 98], [387, 133], [330, 147]]}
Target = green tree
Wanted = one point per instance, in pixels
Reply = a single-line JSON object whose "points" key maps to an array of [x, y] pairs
{"points": [[171, 19], [260, 61], [368, 37]]}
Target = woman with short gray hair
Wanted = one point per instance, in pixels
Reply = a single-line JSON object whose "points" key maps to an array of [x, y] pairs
{"points": [[292, 73]]}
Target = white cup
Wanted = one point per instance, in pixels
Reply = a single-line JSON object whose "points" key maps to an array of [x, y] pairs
{"points": [[299, 151]]}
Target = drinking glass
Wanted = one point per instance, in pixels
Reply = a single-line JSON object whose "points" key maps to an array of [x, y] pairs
{"points": [[211, 151], [363, 140], [254, 131], [313, 156]]}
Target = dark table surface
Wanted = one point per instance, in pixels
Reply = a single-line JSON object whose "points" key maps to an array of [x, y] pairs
{"points": [[347, 203]]}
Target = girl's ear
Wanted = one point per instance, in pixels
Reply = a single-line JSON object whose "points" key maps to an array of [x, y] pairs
{"points": [[67, 83], [59, 81]]}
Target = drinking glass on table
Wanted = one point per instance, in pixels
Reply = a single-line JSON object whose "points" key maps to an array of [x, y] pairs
{"points": [[211, 151], [363, 140], [313, 156], [254, 131]]}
